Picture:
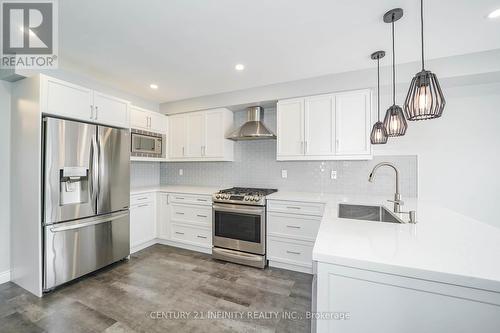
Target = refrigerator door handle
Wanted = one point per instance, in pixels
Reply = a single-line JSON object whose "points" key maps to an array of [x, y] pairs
{"points": [[90, 222], [94, 172]]}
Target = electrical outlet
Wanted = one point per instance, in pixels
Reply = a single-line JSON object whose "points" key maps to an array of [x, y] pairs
{"points": [[181, 172], [284, 174], [333, 175]]}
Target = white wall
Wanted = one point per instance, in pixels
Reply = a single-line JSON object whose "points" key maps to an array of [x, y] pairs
{"points": [[459, 153], [4, 176]]}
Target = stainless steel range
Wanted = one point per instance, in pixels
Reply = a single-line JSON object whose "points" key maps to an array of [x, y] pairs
{"points": [[239, 225]]}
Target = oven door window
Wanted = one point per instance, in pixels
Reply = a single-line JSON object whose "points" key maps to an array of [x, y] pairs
{"points": [[144, 144], [238, 226]]}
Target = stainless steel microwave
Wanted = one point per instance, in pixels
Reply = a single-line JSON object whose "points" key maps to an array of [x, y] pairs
{"points": [[146, 144]]}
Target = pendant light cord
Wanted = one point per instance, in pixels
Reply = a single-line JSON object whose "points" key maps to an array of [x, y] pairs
{"points": [[378, 87], [422, 29], [393, 66]]}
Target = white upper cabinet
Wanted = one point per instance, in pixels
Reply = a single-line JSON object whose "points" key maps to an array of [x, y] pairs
{"points": [[61, 98], [201, 136], [325, 127], [290, 128], [319, 126], [177, 136], [66, 99], [111, 110], [352, 119], [148, 120], [195, 134]]}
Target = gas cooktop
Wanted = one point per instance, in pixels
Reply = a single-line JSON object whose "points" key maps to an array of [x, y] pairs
{"points": [[243, 195]]}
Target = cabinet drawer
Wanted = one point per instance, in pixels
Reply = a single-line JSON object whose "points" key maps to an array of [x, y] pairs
{"points": [[295, 226], [192, 235], [296, 253], [141, 198], [294, 207], [205, 200], [200, 215]]}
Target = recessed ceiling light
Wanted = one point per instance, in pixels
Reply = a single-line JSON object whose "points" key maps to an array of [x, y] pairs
{"points": [[239, 67], [494, 14], [153, 86]]}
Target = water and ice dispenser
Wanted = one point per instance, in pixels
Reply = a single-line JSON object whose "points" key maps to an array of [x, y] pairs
{"points": [[73, 185]]}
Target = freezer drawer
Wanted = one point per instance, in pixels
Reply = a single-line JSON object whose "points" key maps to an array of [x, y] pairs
{"points": [[73, 249]]}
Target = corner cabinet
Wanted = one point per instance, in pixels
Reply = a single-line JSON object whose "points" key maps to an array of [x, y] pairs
{"points": [[325, 127], [61, 98], [201, 136]]}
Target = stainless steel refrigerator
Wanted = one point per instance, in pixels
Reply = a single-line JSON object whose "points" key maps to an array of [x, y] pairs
{"points": [[86, 198]]}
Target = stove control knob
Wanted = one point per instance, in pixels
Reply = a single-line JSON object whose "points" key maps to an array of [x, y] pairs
{"points": [[227, 197], [217, 196], [255, 198], [246, 198]]}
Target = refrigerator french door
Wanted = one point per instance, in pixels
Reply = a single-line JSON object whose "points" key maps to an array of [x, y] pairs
{"points": [[86, 186]]}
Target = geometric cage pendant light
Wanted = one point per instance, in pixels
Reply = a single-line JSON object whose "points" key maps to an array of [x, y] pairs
{"points": [[379, 133], [425, 99], [394, 121]]}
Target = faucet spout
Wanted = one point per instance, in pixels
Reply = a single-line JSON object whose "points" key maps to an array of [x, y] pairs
{"points": [[397, 195]]}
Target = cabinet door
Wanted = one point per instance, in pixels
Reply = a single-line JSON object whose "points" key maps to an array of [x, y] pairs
{"points": [[163, 217], [111, 110], [157, 122], [142, 224], [139, 118], [177, 136], [319, 126], [290, 128], [214, 134], [195, 134], [352, 118], [66, 99]]}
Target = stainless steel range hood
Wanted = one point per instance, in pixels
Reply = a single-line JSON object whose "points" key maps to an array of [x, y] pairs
{"points": [[254, 128]]}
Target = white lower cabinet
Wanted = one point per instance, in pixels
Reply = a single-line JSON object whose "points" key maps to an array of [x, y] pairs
{"points": [[369, 301], [176, 219], [291, 231], [142, 221]]}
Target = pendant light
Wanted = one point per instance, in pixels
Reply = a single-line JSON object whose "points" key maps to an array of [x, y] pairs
{"points": [[379, 133], [394, 121], [425, 99]]}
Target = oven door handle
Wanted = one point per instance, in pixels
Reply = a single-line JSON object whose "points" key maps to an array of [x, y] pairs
{"points": [[238, 209]]}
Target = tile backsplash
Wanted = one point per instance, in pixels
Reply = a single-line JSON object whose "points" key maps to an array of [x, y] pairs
{"points": [[255, 165], [144, 174]]}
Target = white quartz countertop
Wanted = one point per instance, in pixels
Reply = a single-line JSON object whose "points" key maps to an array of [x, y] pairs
{"points": [[201, 190], [443, 246]]}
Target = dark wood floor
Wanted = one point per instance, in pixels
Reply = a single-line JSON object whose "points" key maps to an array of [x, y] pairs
{"points": [[152, 292]]}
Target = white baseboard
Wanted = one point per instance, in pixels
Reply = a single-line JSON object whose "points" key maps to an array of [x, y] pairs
{"points": [[143, 246], [290, 267], [202, 249], [4, 276]]}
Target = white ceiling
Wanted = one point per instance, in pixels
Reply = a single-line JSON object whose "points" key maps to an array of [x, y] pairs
{"points": [[189, 47]]}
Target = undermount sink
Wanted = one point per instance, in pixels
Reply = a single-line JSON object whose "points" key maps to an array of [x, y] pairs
{"points": [[367, 213]]}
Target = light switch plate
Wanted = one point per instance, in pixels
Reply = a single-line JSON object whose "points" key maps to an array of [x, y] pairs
{"points": [[333, 174], [284, 174]]}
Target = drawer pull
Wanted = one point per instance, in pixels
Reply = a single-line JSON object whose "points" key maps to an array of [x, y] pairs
{"points": [[179, 233], [202, 216], [204, 200], [292, 207], [180, 198], [144, 205], [145, 198], [179, 213], [293, 252], [293, 227], [204, 237]]}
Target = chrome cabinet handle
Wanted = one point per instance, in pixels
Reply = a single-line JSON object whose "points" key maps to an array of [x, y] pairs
{"points": [[305, 147], [142, 198], [91, 112], [183, 151], [202, 216], [204, 200], [337, 144], [96, 112], [143, 205], [179, 198], [293, 227], [292, 207], [179, 233], [302, 147], [204, 237], [179, 213], [293, 252]]}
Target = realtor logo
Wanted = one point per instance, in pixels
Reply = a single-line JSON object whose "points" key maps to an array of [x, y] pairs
{"points": [[29, 34]]}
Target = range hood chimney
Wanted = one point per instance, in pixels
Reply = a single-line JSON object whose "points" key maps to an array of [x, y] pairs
{"points": [[254, 128]]}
